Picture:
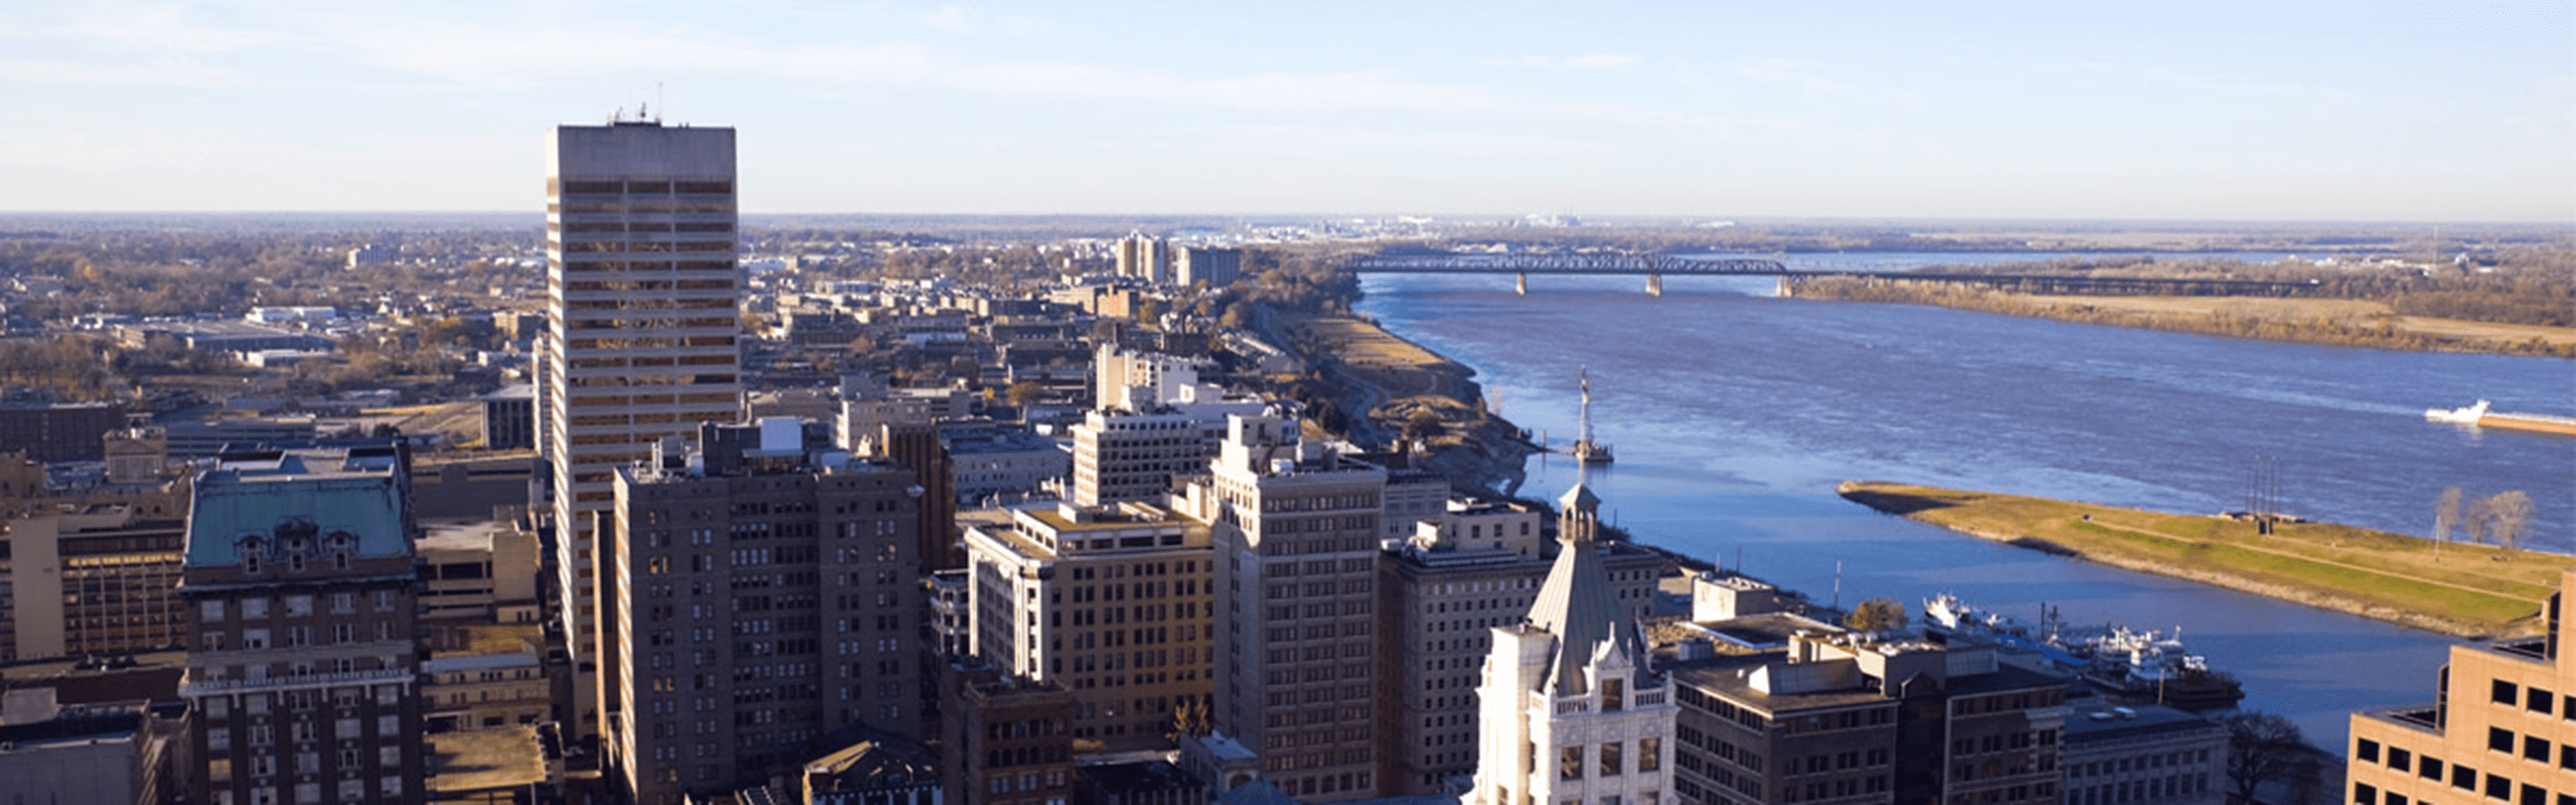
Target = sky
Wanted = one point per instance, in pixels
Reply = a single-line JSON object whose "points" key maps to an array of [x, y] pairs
{"points": [[2244, 110]]}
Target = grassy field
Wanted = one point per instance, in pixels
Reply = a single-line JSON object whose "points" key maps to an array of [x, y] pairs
{"points": [[2456, 588]]}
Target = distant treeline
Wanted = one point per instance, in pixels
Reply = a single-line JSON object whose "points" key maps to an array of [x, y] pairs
{"points": [[2365, 331], [2533, 285]]}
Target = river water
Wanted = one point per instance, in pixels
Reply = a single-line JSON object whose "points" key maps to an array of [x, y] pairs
{"points": [[1735, 413]]}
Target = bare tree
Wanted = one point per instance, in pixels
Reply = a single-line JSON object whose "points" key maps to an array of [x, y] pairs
{"points": [[2261, 748], [2473, 523], [2446, 514], [2509, 516]]}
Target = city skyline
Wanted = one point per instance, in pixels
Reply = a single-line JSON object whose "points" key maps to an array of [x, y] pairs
{"points": [[2417, 112]]}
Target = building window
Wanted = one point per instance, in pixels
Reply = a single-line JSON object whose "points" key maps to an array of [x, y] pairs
{"points": [[2504, 692], [1569, 763], [2500, 739], [1650, 757], [1611, 762]]}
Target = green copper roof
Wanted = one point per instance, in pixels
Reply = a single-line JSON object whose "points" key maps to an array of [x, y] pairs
{"points": [[233, 503]]}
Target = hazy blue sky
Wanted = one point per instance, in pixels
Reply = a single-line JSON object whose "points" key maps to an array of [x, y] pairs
{"points": [[2247, 109]]}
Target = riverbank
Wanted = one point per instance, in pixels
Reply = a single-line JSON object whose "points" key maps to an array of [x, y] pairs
{"points": [[2459, 589], [1390, 389], [2342, 322]]}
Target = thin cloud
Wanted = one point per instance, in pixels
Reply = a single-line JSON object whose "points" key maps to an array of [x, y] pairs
{"points": [[1589, 61], [1603, 61], [948, 18], [1784, 71]]}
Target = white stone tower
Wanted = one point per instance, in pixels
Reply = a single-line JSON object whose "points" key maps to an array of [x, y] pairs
{"points": [[1570, 710]]}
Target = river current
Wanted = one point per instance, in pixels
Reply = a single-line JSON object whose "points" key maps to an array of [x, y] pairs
{"points": [[1734, 414]]}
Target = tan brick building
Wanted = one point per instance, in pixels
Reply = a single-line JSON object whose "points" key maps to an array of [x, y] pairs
{"points": [[2503, 729]]}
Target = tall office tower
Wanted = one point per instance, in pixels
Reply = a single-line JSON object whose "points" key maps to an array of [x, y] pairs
{"points": [[2503, 725], [300, 579], [1473, 567], [766, 590], [640, 331], [1296, 534], [1572, 710], [1113, 603]]}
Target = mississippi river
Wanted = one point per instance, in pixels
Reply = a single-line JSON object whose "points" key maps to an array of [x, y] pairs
{"points": [[1733, 414]]}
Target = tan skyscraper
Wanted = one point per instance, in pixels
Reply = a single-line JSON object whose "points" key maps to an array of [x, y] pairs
{"points": [[640, 331], [1295, 527]]}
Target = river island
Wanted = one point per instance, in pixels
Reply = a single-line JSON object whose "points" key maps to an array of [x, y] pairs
{"points": [[2456, 588]]}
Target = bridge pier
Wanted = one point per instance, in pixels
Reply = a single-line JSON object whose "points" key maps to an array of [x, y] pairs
{"points": [[1788, 287], [1655, 285], [1520, 284]]}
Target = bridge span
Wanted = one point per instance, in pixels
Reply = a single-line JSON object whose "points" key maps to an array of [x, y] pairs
{"points": [[1655, 266]]}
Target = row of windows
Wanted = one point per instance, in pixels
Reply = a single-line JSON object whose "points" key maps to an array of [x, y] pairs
{"points": [[2537, 700], [2139, 790], [557, 186], [2156, 761], [2498, 788]]}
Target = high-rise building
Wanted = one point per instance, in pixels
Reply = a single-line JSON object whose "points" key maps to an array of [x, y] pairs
{"points": [[1572, 708], [2502, 726], [300, 579], [641, 327], [765, 589], [1216, 267], [1145, 257], [1113, 603], [1297, 537]]}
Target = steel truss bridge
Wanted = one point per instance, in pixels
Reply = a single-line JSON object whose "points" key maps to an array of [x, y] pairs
{"points": [[1656, 266]]}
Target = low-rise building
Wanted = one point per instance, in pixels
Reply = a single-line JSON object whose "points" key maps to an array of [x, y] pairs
{"points": [[2147, 754], [125, 753]]}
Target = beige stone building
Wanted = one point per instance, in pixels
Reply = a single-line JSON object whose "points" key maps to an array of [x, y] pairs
{"points": [[103, 581], [2501, 730], [1113, 603]]}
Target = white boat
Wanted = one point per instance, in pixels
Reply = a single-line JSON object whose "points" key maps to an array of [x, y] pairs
{"points": [[2463, 416]]}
